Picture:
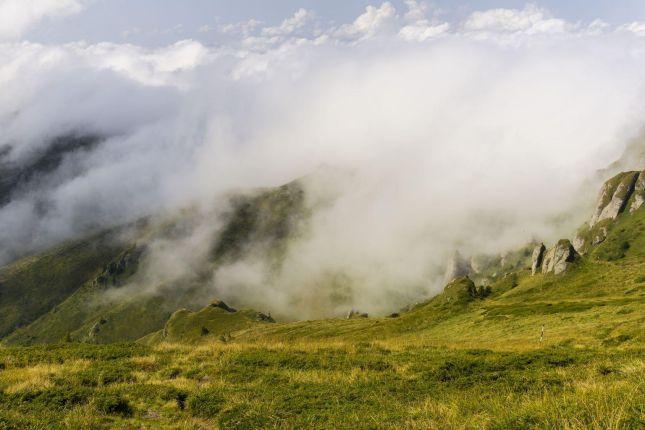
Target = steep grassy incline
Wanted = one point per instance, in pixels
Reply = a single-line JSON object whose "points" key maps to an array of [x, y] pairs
{"points": [[33, 286], [111, 303]]}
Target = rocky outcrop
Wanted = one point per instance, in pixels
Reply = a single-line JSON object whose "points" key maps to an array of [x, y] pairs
{"points": [[537, 257], [220, 304], [114, 272], [457, 267], [614, 196], [265, 317], [558, 259], [639, 193], [627, 188], [462, 290], [96, 328]]}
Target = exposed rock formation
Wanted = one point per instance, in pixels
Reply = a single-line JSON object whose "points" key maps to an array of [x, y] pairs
{"points": [[96, 327], [537, 257], [462, 290], [457, 267], [220, 304], [558, 259], [113, 272], [614, 196], [264, 317], [639, 193]]}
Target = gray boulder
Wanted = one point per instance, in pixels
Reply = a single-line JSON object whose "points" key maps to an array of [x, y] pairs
{"points": [[220, 304], [558, 259], [614, 196], [639, 193], [580, 243], [537, 257]]}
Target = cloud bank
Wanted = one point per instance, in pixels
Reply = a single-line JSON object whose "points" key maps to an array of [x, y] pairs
{"points": [[18, 16], [474, 135]]}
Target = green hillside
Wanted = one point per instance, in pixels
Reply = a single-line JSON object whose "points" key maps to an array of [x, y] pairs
{"points": [[216, 320], [90, 290], [526, 351], [33, 286]]}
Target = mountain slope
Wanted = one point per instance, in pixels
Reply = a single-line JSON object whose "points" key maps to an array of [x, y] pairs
{"points": [[529, 351], [32, 286], [107, 304]]}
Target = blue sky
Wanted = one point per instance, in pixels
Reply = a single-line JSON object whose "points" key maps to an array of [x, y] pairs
{"points": [[158, 22]]}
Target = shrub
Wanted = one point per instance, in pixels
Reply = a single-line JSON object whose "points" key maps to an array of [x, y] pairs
{"points": [[57, 398], [172, 373], [206, 403], [112, 404], [179, 396], [604, 370], [105, 374]]}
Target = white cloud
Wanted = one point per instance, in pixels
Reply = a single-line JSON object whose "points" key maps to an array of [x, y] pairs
{"points": [[597, 26], [369, 23], [243, 28], [423, 30], [153, 67], [289, 25], [416, 11], [637, 28], [18, 16], [419, 28], [204, 28], [530, 20]]}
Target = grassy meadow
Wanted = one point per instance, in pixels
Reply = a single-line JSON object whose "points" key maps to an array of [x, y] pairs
{"points": [[466, 364]]}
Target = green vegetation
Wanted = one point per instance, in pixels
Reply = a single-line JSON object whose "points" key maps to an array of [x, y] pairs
{"points": [[268, 218], [322, 384], [85, 284], [33, 286], [216, 321], [541, 351]]}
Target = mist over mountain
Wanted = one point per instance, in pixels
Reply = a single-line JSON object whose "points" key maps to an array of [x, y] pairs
{"points": [[305, 214], [416, 137]]}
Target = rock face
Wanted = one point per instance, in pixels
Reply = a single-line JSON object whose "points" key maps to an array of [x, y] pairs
{"points": [[537, 258], [220, 304], [614, 196], [558, 259], [463, 290], [639, 192], [457, 267], [627, 188]]}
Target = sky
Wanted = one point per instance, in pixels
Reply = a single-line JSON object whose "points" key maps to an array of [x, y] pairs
{"points": [[424, 128], [158, 22]]}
